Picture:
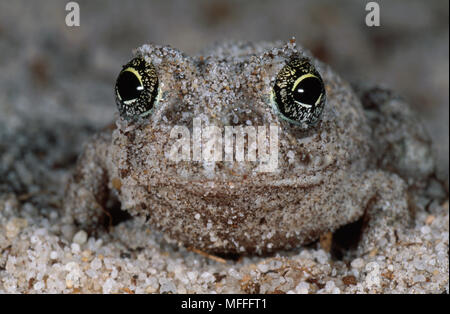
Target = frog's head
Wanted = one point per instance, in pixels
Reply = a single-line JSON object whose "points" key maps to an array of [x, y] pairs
{"points": [[171, 105], [298, 94]]}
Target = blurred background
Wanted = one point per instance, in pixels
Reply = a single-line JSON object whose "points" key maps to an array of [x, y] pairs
{"points": [[56, 82]]}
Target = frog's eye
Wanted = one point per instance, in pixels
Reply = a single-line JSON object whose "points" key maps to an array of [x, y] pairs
{"points": [[299, 93], [136, 89]]}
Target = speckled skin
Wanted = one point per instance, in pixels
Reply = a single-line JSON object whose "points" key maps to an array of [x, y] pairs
{"points": [[354, 160]]}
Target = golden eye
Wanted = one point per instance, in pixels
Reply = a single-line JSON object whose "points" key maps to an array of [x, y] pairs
{"points": [[136, 89], [299, 93]]}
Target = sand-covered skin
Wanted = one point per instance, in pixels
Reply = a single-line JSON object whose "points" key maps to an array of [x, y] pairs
{"points": [[57, 90]]}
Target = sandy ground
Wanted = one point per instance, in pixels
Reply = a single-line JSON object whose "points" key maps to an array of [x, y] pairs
{"points": [[56, 90]]}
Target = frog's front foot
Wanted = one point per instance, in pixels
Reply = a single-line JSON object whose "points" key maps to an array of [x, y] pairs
{"points": [[87, 191], [386, 212]]}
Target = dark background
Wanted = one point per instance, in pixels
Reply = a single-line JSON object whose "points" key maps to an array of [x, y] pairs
{"points": [[56, 82]]}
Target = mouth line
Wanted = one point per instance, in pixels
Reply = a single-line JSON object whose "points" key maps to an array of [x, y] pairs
{"points": [[222, 184]]}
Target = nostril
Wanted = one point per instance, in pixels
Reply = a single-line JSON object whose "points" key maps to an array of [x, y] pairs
{"points": [[244, 115]]}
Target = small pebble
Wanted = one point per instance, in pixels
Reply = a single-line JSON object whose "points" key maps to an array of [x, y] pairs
{"points": [[80, 237]]}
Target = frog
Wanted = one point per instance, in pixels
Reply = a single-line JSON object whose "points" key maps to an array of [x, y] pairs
{"points": [[343, 151]]}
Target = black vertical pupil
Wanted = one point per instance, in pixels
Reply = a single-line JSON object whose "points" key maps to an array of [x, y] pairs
{"points": [[308, 91], [128, 86]]}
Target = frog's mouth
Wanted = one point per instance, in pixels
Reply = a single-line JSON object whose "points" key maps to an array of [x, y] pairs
{"points": [[230, 187]]}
